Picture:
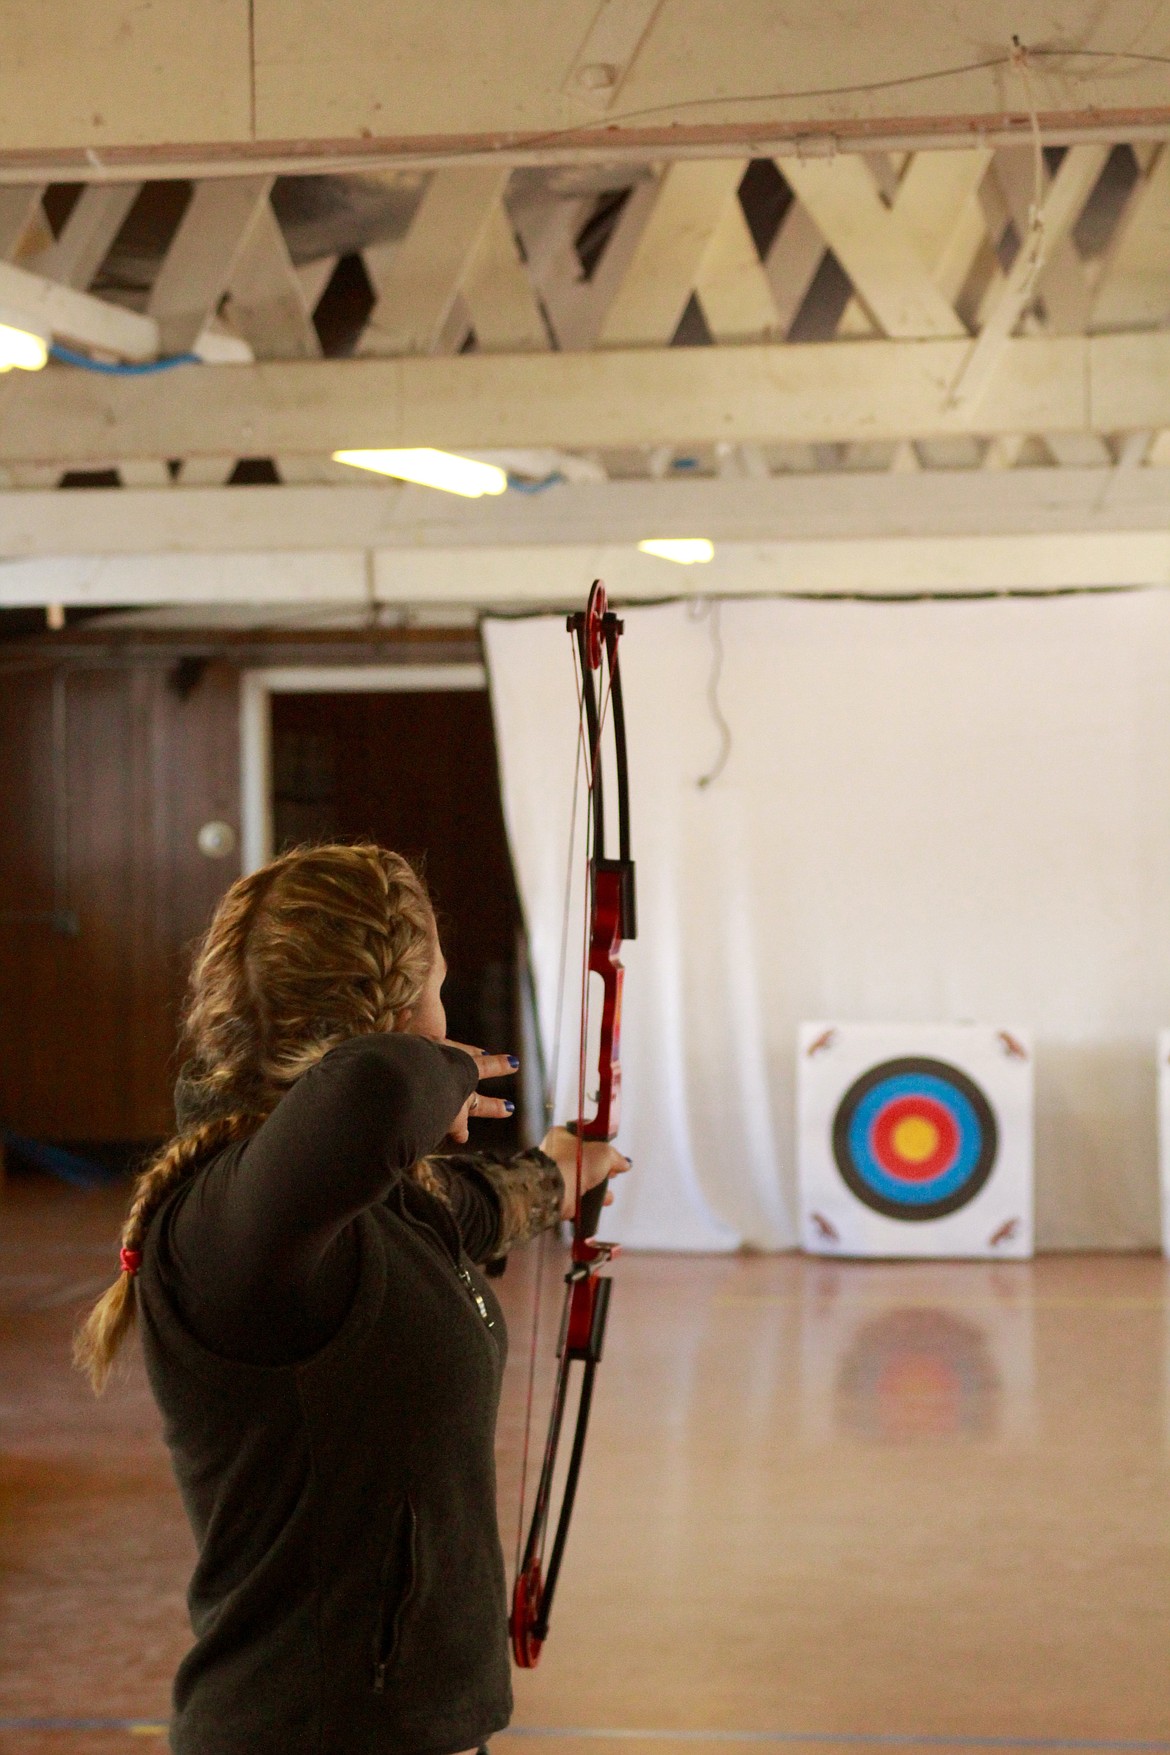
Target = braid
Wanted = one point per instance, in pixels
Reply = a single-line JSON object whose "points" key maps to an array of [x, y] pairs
{"points": [[112, 1317], [321, 944]]}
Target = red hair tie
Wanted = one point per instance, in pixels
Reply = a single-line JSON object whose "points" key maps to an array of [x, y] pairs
{"points": [[131, 1260]]}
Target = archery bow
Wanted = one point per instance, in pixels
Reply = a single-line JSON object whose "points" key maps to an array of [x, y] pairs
{"points": [[611, 919]]}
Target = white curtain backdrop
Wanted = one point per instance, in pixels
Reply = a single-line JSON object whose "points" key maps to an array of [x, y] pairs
{"points": [[932, 811]]}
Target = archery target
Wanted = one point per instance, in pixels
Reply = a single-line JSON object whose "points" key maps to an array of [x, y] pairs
{"points": [[915, 1142]]}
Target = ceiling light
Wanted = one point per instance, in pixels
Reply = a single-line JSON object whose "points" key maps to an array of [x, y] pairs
{"points": [[686, 550], [436, 469], [21, 347]]}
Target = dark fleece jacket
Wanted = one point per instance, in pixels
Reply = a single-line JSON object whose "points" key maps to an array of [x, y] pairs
{"points": [[328, 1359]]}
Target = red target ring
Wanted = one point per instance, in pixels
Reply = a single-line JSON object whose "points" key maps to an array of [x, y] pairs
{"points": [[915, 1138]]}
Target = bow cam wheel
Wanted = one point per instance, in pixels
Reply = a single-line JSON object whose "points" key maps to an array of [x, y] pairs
{"points": [[595, 613], [526, 1597]]}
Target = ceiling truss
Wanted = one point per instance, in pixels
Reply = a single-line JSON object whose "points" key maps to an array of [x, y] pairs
{"points": [[724, 318]]}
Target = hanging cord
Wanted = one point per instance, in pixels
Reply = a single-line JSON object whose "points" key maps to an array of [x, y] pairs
{"points": [[711, 610], [1034, 242]]}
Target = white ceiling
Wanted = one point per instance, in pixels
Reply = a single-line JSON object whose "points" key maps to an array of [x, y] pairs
{"points": [[171, 81]]}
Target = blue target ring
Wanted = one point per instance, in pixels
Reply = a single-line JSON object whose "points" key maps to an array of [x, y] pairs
{"points": [[915, 1139]]}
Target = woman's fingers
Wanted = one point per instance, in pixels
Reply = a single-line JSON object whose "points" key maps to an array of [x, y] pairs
{"points": [[491, 1066], [484, 1108], [489, 1108], [600, 1160]]}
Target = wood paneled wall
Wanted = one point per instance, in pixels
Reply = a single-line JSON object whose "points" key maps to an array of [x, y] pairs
{"points": [[87, 1022]]}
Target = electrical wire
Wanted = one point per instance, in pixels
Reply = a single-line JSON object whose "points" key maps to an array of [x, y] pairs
{"points": [[711, 611], [1035, 242], [860, 88], [123, 368]]}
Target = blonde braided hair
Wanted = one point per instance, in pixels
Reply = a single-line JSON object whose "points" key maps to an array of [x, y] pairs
{"points": [[319, 945]]}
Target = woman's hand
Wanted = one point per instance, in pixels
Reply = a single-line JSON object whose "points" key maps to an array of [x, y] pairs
{"points": [[598, 1160], [491, 1066]]}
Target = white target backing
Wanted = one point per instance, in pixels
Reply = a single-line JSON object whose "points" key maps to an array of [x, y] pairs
{"points": [[915, 1140]]}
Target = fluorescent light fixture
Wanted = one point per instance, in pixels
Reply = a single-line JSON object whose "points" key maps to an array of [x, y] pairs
{"points": [[20, 346], [686, 550], [436, 469]]}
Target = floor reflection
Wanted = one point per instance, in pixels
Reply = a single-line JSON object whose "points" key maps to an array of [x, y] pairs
{"points": [[917, 1354], [918, 1376]]}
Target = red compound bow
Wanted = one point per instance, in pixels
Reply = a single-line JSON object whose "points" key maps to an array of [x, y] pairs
{"points": [[610, 902]]}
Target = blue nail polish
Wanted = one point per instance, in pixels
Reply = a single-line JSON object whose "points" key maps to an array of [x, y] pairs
{"points": [[509, 1107], [513, 1062]]}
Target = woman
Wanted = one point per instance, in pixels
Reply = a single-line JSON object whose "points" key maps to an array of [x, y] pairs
{"points": [[325, 1353]]}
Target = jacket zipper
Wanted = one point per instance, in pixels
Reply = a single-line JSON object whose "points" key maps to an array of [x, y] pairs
{"points": [[386, 1639], [475, 1296]]}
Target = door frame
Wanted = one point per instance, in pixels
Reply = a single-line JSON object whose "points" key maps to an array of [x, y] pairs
{"points": [[257, 688]]}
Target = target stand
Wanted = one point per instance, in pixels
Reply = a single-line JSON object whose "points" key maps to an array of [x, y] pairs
{"points": [[915, 1140]]}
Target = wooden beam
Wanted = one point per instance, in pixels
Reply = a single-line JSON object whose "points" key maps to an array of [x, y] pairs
{"points": [[733, 286], [667, 264], [552, 574], [938, 207], [1061, 292], [19, 205], [838, 391], [88, 233], [875, 249], [77, 316], [1067, 194], [937, 204], [548, 227], [791, 264], [418, 279], [266, 297], [835, 507], [199, 265], [1134, 289], [144, 472], [503, 307]]}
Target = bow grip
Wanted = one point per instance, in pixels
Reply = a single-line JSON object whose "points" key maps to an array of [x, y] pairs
{"points": [[611, 887]]}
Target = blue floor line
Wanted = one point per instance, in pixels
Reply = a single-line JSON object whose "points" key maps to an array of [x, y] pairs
{"points": [[596, 1733]]}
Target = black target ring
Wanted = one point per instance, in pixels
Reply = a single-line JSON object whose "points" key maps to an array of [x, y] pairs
{"points": [[915, 1139]]}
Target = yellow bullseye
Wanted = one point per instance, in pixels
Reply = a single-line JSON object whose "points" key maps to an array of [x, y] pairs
{"points": [[915, 1139]]}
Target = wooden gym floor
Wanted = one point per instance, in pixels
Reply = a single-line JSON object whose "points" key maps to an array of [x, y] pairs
{"points": [[826, 1507]]}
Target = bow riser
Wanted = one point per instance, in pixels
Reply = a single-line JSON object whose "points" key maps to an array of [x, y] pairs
{"points": [[585, 1325]]}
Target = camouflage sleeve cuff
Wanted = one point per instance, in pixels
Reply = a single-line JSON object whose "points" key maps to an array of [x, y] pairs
{"points": [[530, 1190]]}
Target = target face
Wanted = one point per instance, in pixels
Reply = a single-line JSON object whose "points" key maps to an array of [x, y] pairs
{"points": [[915, 1139]]}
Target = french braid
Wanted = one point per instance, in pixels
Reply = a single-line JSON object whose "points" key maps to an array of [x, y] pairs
{"points": [[319, 945]]}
